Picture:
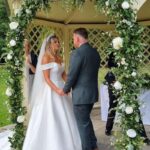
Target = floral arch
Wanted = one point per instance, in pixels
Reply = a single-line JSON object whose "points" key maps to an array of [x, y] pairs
{"points": [[127, 47]]}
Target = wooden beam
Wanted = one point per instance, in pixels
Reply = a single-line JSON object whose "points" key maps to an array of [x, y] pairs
{"points": [[70, 16], [138, 4]]}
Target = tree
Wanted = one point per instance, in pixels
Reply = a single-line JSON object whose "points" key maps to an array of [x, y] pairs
{"points": [[3, 27]]}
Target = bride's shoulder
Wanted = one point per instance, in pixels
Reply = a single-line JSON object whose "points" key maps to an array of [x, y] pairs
{"points": [[47, 59], [47, 63]]}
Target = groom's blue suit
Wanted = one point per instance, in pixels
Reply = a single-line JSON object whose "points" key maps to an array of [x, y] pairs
{"points": [[83, 80]]}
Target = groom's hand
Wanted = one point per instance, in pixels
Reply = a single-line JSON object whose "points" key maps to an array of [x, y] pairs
{"points": [[61, 92]]}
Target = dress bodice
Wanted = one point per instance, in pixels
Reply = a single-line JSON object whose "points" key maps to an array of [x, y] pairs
{"points": [[56, 70]]}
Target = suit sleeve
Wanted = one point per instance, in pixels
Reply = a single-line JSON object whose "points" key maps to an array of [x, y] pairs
{"points": [[74, 69]]}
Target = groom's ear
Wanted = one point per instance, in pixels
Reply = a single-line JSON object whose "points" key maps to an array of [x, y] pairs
{"points": [[78, 39]]}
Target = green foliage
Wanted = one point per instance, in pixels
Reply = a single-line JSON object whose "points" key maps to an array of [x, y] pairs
{"points": [[3, 26], [4, 106], [72, 4], [128, 57]]}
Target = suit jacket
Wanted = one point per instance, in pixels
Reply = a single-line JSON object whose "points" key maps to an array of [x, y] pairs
{"points": [[33, 61], [83, 75]]}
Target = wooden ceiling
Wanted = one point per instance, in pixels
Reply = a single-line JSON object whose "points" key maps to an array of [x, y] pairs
{"points": [[85, 15]]}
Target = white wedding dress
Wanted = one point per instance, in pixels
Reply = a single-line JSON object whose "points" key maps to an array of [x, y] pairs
{"points": [[52, 125]]}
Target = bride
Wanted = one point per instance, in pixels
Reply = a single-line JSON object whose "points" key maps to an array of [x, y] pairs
{"points": [[52, 125]]}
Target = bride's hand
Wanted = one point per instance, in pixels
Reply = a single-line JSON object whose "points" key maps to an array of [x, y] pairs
{"points": [[60, 92]]}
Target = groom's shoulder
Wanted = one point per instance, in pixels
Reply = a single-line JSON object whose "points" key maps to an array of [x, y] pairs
{"points": [[75, 52]]}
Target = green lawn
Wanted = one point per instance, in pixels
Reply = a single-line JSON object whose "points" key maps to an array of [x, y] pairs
{"points": [[4, 115], [102, 73]]}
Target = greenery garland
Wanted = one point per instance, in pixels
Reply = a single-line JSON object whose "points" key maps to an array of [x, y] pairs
{"points": [[127, 48]]}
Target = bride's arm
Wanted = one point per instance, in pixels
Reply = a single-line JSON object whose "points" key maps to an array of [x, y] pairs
{"points": [[64, 76], [46, 73]]}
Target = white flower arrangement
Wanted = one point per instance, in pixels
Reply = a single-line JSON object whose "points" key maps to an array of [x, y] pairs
{"points": [[13, 25], [123, 62], [20, 119], [17, 62], [131, 133], [9, 56], [122, 106], [118, 64], [133, 74], [9, 92], [130, 147], [125, 5], [107, 3], [28, 11], [129, 110], [117, 85], [117, 43], [137, 118], [12, 43], [127, 22]]}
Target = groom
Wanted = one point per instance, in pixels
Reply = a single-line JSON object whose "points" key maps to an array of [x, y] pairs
{"points": [[83, 80]]}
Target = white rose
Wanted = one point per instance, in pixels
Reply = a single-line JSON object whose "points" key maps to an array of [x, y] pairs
{"points": [[107, 3], [133, 74], [131, 133], [129, 110], [122, 106], [20, 119], [17, 62], [130, 147], [13, 25], [125, 5], [123, 62], [9, 56], [137, 118], [8, 91], [12, 43], [117, 43], [10, 111], [126, 68], [127, 22], [117, 85], [118, 64], [28, 11]]}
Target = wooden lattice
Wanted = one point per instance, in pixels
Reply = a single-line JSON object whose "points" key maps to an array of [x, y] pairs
{"points": [[36, 33], [98, 38], [146, 40]]}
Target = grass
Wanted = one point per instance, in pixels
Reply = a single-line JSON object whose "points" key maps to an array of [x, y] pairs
{"points": [[4, 114], [102, 73]]}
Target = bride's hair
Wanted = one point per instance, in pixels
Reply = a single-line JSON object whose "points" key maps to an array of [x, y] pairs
{"points": [[49, 39]]}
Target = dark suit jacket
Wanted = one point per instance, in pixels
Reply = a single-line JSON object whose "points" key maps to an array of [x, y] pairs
{"points": [[83, 75], [33, 60]]}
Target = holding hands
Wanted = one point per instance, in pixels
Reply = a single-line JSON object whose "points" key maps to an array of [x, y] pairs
{"points": [[60, 92]]}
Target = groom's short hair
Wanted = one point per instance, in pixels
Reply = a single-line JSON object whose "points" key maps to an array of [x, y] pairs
{"points": [[82, 32]]}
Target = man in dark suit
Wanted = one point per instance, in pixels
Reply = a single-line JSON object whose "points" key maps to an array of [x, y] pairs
{"points": [[110, 79], [83, 80]]}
